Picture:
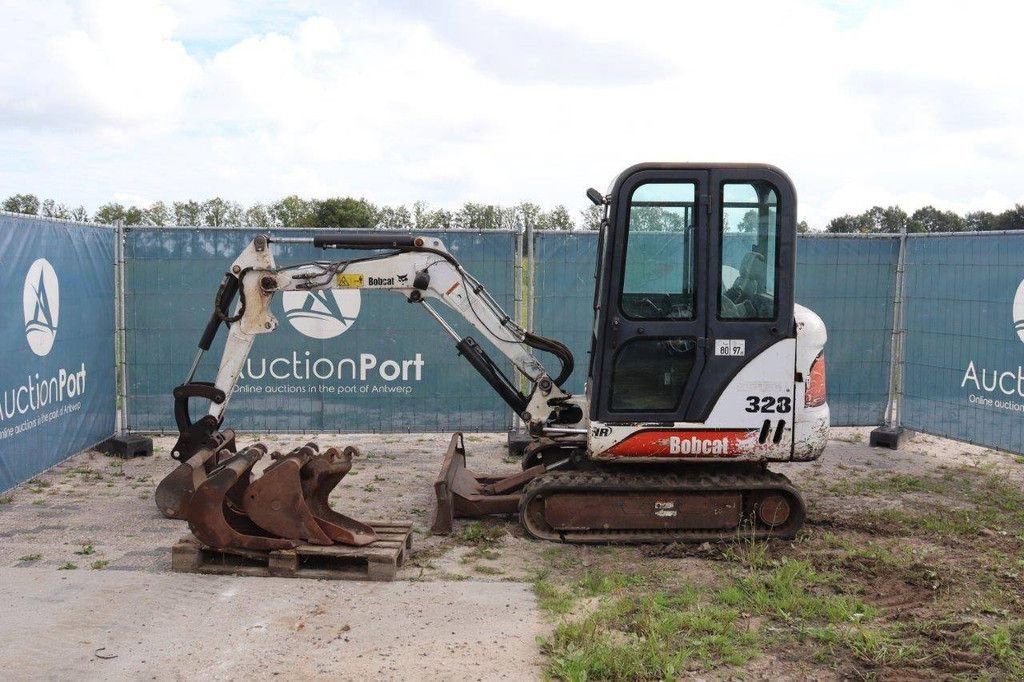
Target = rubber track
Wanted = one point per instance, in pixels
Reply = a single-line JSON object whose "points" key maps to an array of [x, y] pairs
{"points": [[703, 482]]}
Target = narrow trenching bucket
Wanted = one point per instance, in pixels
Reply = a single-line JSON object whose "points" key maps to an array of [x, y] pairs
{"points": [[319, 477], [175, 491]]}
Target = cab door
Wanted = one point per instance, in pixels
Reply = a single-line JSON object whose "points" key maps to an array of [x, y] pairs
{"points": [[649, 347], [698, 284]]}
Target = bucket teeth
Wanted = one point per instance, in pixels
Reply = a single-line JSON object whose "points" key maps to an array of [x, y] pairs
{"points": [[320, 476], [275, 500], [215, 522]]}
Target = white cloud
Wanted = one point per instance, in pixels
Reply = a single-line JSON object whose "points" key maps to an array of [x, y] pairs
{"points": [[503, 101]]}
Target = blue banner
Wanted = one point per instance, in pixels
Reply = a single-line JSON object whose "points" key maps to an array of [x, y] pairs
{"points": [[341, 360], [963, 351], [57, 389]]}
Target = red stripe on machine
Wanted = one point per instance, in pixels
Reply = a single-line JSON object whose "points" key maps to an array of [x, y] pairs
{"points": [[677, 443], [451, 289]]}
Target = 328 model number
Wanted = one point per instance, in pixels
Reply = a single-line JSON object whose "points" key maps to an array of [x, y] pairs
{"points": [[780, 405]]}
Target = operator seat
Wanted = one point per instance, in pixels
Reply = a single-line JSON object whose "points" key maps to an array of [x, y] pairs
{"points": [[742, 298]]}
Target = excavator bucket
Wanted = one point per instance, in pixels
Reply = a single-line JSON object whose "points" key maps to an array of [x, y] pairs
{"points": [[462, 493], [275, 501], [220, 524], [176, 490], [319, 477]]}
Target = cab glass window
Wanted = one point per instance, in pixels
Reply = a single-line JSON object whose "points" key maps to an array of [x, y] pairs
{"points": [[650, 374], [749, 242], [658, 270]]}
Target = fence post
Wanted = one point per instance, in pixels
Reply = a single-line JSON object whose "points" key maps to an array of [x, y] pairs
{"points": [[531, 263], [518, 437], [888, 435], [120, 335]]}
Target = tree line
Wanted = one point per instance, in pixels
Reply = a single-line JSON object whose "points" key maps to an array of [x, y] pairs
{"points": [[295, 211], [894, 219], [349, 212]]}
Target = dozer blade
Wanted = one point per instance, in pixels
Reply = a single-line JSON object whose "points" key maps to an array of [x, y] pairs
{"points": [[215, 522], [176, 489], [275, 501], [319, 477], [463, 494]]}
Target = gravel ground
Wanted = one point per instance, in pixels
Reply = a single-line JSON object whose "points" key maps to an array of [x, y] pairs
{"points": [[96, 513]]}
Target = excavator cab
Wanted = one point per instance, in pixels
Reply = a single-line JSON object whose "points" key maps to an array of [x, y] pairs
{"points": [[695, 321]]}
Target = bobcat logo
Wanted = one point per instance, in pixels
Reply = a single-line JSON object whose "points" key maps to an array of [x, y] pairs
{"points": [[41, 304], [321, 314]]}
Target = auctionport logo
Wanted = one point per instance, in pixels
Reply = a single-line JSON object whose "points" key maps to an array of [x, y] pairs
{"points": [[321, 314], [1018, 311], [41, 303]]}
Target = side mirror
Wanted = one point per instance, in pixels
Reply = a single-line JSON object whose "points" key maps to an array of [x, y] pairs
{"points": [[596, 197]]}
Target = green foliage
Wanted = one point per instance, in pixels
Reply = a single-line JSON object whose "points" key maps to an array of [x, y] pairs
{"points": [[188, 213], [342, 212], [22, 203], [67, 566], [99, 564], [783, 592], [476, 533], [30, 557], [86, 550], [647, 638]]}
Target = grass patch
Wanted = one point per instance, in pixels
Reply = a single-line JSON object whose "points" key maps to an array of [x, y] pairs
{"points": [[99, 564], [488, 570], [67, 566], [476, 533], [480, 552], [649, 637], [86, 550], [1005, 643], [6, 499], [784, 593], [38, 486], [550, 597], [30, 557], [893, 484]]}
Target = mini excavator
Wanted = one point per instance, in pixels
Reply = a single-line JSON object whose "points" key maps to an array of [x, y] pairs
{"points": [[702, 372]]}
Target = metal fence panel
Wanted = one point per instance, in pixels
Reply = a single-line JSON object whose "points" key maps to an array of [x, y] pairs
{"points": [[563, 291], [295, 382], [849, 282], [57, 391], [963, 350]]}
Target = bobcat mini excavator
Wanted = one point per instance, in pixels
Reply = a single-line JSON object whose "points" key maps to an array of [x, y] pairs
{"points": [[702, 371]]}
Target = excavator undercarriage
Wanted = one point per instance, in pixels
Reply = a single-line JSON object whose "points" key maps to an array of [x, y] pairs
{"points": [[606, 504]]}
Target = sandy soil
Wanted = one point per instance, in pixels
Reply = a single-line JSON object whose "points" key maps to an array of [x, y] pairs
{"points": [[97, 513]]}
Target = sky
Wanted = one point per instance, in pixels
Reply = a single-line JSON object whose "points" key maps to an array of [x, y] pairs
{"points": [[504, 101]]}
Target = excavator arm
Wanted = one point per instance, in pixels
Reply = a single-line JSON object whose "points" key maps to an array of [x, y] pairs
{"points": [[419, 268]]}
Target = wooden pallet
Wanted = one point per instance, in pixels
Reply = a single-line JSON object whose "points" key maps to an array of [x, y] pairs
{"points": [[377, 561]]}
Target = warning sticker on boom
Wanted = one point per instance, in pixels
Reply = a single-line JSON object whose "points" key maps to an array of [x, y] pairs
{"points": [[349, 281]]}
